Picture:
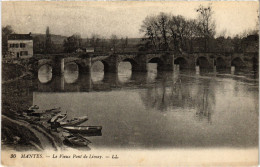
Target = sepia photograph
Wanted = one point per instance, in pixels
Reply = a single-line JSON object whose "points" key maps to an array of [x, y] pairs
{"points": [[130, 83]]}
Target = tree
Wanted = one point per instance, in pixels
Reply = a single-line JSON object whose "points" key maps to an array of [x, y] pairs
{"points": [[38, 45], [114, 41], [151, 31], [163, 24], [94, 41], [123, 43], [206, 24], [126, 41], [178, 27], [6, 31], [48, 43], [103, 44], [72, 43], [191, 32]]}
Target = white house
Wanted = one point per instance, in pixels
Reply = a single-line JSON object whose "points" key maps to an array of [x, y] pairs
{"points": [[20, 45]]}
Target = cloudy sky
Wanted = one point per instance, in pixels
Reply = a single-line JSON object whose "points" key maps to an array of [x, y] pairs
{"points": [[120, 18]]}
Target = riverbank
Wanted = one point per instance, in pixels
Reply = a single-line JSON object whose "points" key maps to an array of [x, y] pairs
{"points": [[17, 132], [12, 71]]}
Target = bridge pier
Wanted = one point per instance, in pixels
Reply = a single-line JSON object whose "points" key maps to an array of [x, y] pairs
{"points": [[142, 67], [85, 66], [85, 82], [111, 78], [139, 77], [62, 66], [56, 67]]}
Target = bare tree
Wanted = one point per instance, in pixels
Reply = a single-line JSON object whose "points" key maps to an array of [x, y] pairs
{"points": [[191, 32], [206, 23], [151, 31], [163, 24], [48, 43], [72, 43], [114, 41], [6, 31], [123, 43], [94, 41], [177, 27]]}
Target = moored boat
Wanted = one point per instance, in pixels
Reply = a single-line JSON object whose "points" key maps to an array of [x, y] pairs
{"points": [[75, 140], [34, 107], [74, 121], [43, 112], [58, 118], [58, 109], [83, 129]]}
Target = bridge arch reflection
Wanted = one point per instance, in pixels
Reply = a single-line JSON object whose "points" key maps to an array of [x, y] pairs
{"points": [[182, 62], [220, 63], [237, 63], [160, 63], [202, 62], [45, 73]]}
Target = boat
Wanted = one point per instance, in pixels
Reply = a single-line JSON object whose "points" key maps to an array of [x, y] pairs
{"points": [[34, 107], [98, 133], [83, 129], [58, 109], [58, 118], [41, 113], [31, 109], [74, 121], [75, 140]]}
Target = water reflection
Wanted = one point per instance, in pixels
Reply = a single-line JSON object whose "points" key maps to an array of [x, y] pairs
{"points": [[152, 72], [180, 94], [124, 71], [45, 74], [97, 71], [71, 73], [158, 109]]}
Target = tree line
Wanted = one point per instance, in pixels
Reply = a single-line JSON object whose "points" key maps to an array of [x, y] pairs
{"points": [[170, 32], [163, 31], [96, 42]]}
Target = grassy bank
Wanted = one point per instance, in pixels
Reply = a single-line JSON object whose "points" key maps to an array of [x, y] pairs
{"points": [[11, 71]]}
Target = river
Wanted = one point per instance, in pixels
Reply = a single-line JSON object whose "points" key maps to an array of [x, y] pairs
{"points": [[149, 110]]}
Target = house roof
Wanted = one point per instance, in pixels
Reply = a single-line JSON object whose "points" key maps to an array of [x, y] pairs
{"points": [[20, 37]]}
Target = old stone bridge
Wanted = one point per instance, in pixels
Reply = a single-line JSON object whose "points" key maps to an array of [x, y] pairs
{"points": [[166, 61]]}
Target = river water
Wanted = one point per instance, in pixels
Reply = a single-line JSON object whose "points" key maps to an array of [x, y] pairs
{"points": [[157, 109]]}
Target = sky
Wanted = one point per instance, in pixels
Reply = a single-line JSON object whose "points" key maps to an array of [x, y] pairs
{"points": [[120, 18]]}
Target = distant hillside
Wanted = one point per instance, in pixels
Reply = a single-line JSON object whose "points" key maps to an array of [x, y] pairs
{"points": [[58, 39]]}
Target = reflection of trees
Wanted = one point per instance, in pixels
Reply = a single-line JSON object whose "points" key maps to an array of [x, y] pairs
{"points": [[205, 101], [181, 93]]}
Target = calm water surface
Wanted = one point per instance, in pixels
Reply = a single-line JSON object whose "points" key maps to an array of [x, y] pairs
{"points": [[157, 110]]}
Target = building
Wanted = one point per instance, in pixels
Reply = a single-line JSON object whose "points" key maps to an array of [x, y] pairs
{"points": [[87, 50], [20, 45]]}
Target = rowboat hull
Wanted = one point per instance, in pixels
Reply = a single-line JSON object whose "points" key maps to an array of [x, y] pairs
{"points": [[83, 129], [58, 118], [75, 140], [75, 121]]}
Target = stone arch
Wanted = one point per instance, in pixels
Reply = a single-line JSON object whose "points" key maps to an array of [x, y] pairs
{"points": [[71, 78], [159, 62], [43, 62], [182, 62], [202, 62], [220, 63], [238, 63], [105, 64], [48, 64], [43, 76], [133, 63], [72, 62]]}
